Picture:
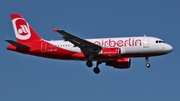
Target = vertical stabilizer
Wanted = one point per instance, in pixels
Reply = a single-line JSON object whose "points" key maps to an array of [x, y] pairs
{"points": [[23, 31]]}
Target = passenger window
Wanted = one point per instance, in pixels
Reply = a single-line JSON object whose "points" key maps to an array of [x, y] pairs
{"points": [[156, 41]]}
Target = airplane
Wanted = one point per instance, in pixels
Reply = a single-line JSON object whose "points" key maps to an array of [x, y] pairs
{"points": [[115, 52]]}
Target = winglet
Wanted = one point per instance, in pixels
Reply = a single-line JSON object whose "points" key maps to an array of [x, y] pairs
{"points": [[54, 29]]}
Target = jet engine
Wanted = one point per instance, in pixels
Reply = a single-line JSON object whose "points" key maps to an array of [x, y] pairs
{"points": [[110, 53], [122, 63]]}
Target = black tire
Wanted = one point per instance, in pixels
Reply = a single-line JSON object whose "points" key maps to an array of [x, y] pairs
{"points": [[148, 65], [89, 64], [96, 70]]}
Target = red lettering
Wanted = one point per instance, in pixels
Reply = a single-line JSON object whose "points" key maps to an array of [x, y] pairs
{"points": [[112, 43], [129, 41], [138, 41], [97, 43], [102, 43], [125, 42], [105, 43], [120, 43], [133, 42]]}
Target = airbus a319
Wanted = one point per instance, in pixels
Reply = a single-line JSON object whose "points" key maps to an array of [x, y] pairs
{"points": [[115, 52]]}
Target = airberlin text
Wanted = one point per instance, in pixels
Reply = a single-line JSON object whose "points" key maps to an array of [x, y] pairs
{"points": [[119, 43]]}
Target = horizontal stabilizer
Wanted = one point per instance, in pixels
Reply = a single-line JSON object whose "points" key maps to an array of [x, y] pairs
{"points": [[18, 45]]}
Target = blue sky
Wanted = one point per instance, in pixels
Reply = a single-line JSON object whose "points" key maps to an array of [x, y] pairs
{"points": [[27, 78]]}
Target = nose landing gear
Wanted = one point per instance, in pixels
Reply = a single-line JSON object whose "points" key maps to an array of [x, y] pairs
{"points": [[147, 62], [148, 65]]}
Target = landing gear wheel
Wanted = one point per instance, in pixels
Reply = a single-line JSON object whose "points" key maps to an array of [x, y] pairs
{"points": [[96, 70], [148, 65], [89, 64]]}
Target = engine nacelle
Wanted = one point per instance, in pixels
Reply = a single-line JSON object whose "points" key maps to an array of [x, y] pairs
{"points": [[110, 53], [122, 63]]}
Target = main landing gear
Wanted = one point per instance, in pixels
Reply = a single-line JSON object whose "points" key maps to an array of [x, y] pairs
{"points": [[147, 62], [96, 69], [89, 63]]}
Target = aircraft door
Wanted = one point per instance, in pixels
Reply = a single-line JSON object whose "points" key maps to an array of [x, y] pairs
{"points": [[146, 42], [43, 46]]}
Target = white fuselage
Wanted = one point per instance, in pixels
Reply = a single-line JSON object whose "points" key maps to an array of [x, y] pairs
{"points": [[128, 45]]}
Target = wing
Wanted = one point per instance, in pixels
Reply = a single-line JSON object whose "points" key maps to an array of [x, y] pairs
{"points": [[84, 45]]}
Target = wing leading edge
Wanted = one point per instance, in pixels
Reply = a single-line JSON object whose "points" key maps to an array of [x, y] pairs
{"points": [[84, 45]]}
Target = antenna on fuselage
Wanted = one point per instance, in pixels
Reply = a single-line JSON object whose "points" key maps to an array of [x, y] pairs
{"points": [[144, 35]]}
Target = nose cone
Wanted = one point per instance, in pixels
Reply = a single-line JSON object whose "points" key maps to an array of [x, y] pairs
{"points": [[169, 48]]}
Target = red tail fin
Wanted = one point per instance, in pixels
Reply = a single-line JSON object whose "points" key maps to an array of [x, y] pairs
{"points": [[23, 31]]}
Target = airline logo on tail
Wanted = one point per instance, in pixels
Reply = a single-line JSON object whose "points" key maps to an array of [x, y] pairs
{"points": [[21, 28]]}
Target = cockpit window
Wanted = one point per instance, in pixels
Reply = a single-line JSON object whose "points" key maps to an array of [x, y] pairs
{"points": [[159, 41]]}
